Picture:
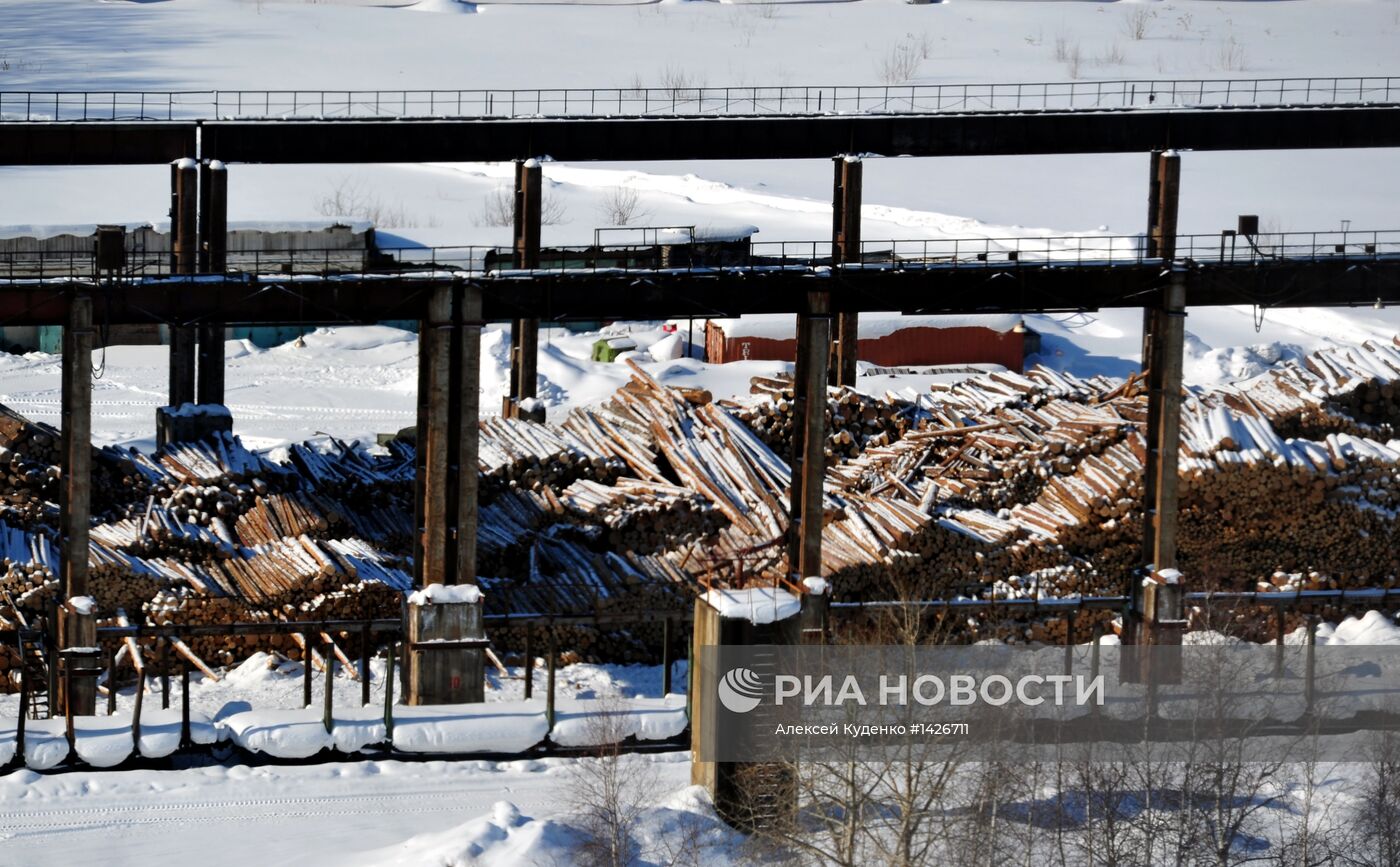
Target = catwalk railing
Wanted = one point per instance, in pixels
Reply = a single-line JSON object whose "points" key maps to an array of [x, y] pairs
{"points": [[168, 657], [1166, 95], [1058, 251]]}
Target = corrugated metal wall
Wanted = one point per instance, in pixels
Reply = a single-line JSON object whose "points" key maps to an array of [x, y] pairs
{"points": [[907, 346]]}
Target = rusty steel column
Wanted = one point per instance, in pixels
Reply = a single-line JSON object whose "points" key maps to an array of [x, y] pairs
{"points": [[213, 258], [184, 243], [79, 624], [845, 248], [1166, 395], [434, 439], [809, 475], [1163, 345], [468, 479], [797, 448], [525, 333]]}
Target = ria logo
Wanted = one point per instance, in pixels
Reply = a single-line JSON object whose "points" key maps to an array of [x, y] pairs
{"points": [[740, 690]]}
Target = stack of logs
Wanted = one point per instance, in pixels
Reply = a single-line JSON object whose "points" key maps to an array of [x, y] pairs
{"points": [[854, 421], [1004, 484]]}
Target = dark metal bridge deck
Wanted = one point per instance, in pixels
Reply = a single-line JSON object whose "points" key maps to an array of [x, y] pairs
{"points": [[925, 276], [53, 128]]}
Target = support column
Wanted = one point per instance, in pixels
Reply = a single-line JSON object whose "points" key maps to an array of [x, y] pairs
{"points": [[1155, 615], [213, 259], [468, 478], [78, 621], [845, 248], [1163, 193], [436, 343], [445, 663], [809, 450], [184, 245], [525, 333]]}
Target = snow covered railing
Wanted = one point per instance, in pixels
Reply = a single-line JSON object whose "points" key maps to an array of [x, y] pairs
{"points": [[1090, 250], [797, 100]]}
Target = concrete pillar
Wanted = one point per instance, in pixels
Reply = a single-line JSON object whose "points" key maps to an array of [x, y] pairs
{"points": [[809, 465], [78, 624], [845, 248], [525, 333]]}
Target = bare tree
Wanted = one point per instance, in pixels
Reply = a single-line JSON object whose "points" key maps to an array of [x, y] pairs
{"points": [[1136, 22], [899, 62], [612, 791], [498, 208], [621, 206]]}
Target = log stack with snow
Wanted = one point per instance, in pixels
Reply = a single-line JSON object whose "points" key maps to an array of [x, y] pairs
{"points": [[1000, 485]]}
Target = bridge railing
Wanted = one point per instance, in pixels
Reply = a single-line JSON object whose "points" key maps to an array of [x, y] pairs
{"points": [[920, 254], [1127, 94]]}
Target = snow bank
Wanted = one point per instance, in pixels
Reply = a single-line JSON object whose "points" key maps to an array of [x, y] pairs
{"points": [[503, 837], [446, 594], [45, 743], [493, 727], [1372, 628], [757, 605], [160, 731], [286, 734], [593, 722], [783, 326]]}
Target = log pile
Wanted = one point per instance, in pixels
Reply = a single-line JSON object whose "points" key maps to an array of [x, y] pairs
{"points": [[642, 516], [516, 454], [1004, 484], [854, 421]]}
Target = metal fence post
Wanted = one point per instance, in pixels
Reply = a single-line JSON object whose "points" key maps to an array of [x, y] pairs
{"points": [[327, 713], [389, 695], [185, 739], [305, 670]]}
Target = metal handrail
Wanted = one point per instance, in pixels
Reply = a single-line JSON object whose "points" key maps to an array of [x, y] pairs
{"points": [[798, 100], [1225, 249]]}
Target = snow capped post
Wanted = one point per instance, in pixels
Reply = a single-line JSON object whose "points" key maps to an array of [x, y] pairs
{"points": [[745, 794], [525, 333], [845, 248], [77, 618], [446, 644]]}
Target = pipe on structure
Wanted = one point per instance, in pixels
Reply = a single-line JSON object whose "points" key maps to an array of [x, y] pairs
{"points": [[845, 248], [213, 259], [525, 333], [809, 437], [78, 623]]}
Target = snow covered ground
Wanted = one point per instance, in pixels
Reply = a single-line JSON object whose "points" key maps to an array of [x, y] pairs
{"points": [[366, 379], [449, 813], [364, 813]]}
